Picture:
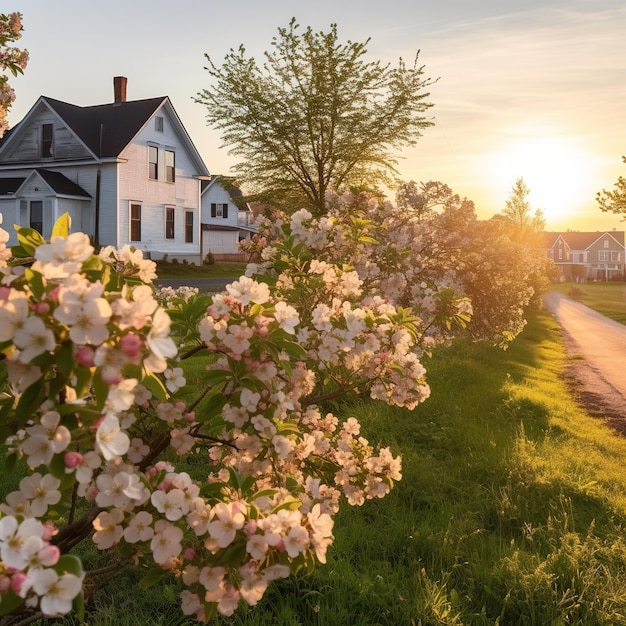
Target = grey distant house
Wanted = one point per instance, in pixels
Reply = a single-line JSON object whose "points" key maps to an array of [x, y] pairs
{"points": [[586, 256], [127, 172]]}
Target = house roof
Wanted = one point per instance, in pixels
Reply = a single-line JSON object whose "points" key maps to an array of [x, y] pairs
{"points": [[9, 186], [62, 185], [226, 182], [106, 129], [581, 240]]}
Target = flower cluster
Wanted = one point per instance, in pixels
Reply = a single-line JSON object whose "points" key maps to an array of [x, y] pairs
{"points": [[32, 570], [96, 396], [12, 59]]}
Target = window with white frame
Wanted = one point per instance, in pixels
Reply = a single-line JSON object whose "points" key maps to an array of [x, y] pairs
{"points": [[158, 124], [603, 255], [47, 141], [219, 210], [135, 222], [153, 162], [615, 256], [170, 216], [606, 243], [170, 166], [188, 226]]}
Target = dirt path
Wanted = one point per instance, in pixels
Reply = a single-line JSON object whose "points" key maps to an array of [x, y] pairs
{"points": [[596, 347]]}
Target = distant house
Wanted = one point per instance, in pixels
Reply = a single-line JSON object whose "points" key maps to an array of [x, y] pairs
{"points": [[225, 222], [584, 256], [126, 172]]}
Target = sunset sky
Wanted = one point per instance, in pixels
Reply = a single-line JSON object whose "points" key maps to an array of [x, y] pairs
{"points": [[531, 89]]}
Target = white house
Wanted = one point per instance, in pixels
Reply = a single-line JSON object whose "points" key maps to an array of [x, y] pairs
{"points": [[127, 173], [224, 223]]}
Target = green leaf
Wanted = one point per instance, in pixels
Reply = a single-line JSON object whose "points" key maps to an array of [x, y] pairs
{"points": [[154, 384], [153, 576], [264, 493], [211, 407], [78, 606], [10, 602], [29, 240], [69, 564]]}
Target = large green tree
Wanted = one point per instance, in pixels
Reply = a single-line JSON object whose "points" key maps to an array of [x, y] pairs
{"points": [[315, 116], [614, 201]]}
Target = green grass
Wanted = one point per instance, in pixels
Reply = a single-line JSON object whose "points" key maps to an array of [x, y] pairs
{"points": [[510, 512], [606, 298], [219, 269]]}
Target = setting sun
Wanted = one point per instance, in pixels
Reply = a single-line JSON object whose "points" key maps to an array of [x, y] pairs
{"points": [[556, 169]]}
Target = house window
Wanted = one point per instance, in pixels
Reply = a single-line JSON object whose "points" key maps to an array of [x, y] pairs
{"points": [[615, 255], [153, 162], [170, 166], [219, 210], [169, 222], [158, 124], [135, 222], [36, 215], [603, 255], [606, 243], [188, 226], [47, 141], [560, 254]]}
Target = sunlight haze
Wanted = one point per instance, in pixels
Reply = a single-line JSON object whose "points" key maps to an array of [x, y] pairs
{"points": [[531, 90]]}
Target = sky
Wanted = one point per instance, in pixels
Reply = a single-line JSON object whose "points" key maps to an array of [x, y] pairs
{"points": [[531, 89]]}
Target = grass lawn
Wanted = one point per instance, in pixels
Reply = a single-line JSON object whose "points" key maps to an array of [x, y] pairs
{"points": [[219, 269], [511, 511], [606, 298]]}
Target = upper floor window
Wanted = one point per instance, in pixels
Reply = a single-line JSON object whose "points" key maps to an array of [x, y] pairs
{"points": [[606, 243], [615, 255], [135, 222], [169, 222], [170, 166], [603, 255], [219, 210], [47, 141], [158, 123], [153, 162], [188, 226]]}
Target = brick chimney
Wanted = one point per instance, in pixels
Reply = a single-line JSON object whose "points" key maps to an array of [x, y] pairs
{"points": [[119, 88]]}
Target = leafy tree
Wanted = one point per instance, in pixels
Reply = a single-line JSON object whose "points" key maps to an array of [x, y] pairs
{"points": [[423, 198], [525, 226], [315, 116], [614, 201]]}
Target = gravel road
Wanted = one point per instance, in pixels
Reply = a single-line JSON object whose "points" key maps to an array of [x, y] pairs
{"points": [[596, 347]]}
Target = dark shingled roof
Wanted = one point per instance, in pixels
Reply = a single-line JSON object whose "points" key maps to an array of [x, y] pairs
{"points": [[62, 185], [10, 185], [578, 240], [119, 121]]}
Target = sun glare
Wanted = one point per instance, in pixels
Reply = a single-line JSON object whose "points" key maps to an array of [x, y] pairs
{"points": [[557, 172]]}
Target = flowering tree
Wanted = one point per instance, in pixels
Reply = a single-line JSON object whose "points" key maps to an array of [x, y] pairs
{"points": [[12, 59], [97, 412]]}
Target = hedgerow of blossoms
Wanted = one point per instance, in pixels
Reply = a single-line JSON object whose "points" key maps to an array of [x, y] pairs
{"points": [[97, 411], [458, 274]]}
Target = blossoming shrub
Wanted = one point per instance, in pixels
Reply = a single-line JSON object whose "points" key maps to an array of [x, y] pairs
{"points": [[98, 411], [12, 59], [458, 274]]}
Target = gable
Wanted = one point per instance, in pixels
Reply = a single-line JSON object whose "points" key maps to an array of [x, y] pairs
{"points": [[24, 145]]}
